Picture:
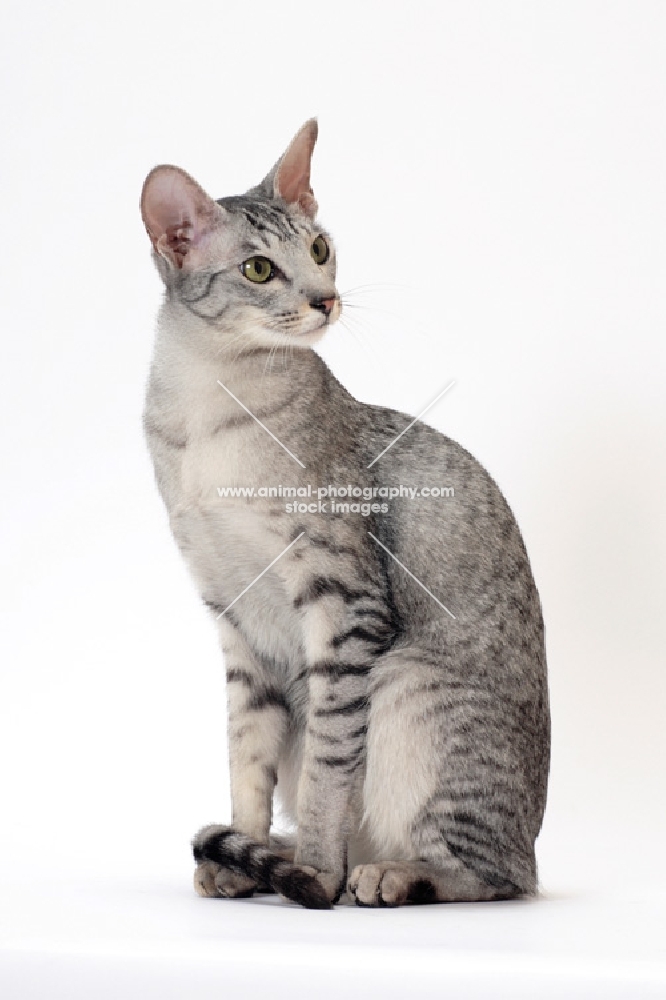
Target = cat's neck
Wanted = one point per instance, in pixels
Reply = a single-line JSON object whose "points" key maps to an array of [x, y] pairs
{"points": [[195, 375]]}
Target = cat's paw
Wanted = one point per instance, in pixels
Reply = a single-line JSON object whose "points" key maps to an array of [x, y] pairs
{"points": [[391, 883], [232, 864], [211, 879], [204, 879]]}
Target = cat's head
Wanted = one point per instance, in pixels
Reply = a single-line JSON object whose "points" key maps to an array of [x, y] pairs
{"points": [[254, 269]]}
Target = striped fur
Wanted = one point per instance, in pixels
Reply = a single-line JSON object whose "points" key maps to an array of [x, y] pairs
{"points": [[410, 748], [266, 867]]}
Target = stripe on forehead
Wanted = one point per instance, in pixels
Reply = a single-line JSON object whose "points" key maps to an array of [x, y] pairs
{"points": [[265, 217]]}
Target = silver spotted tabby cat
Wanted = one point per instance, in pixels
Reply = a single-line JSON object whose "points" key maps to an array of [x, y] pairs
{"points": [[385, 661]]}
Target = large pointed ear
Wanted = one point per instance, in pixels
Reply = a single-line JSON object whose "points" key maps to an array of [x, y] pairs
{"points": [[179, 216], [290, 177]]}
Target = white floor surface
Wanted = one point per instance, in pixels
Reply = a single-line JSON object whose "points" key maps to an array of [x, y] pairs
{"points": [[153, 938]]}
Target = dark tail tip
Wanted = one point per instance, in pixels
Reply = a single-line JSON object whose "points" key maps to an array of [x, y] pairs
{"points": [[302, 888], [237, 852]]}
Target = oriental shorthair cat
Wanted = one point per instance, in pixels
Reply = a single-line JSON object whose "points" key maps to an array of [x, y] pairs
{"points": [[385, 663]]}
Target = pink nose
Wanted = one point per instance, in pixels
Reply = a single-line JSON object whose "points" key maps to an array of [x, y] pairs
{"points": [[323, 305]]}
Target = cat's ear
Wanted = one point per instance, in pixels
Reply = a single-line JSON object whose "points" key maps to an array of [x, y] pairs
{"points": [[290, 177], [179, 216]]}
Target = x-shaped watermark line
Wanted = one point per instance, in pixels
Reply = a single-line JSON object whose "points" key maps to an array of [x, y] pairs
{"points": [[374, 537], [260, 576], [409, 573], [417, 417], [260, 423]]}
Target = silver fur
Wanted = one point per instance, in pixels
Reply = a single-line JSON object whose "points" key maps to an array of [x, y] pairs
{"points": [[411, 748]]}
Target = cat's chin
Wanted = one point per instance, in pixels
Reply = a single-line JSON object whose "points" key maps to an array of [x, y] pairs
{"points": [[310, 337], [304, 339]]}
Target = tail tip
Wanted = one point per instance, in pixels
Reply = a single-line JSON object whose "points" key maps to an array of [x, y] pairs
{"points": [[306, 890]]}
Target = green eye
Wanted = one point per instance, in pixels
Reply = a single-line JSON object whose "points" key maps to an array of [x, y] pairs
{"points": [[320, 251], [258, 269]]}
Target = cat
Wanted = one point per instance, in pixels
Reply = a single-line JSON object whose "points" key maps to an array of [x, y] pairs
{"points": [[385, 661]]}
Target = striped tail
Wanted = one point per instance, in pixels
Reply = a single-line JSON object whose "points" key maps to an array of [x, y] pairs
{"points": [[241, 854]]}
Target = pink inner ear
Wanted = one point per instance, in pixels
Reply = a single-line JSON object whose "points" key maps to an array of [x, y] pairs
{"points": [[292, 180], [176, 212]]}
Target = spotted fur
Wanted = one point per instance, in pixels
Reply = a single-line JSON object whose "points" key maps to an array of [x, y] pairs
{"points": [[410, 746]]}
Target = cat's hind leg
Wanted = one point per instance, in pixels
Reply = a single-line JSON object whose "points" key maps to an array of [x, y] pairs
{"points": [[445, 801]]}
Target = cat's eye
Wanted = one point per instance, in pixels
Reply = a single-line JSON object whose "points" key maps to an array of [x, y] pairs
{"points": [[320, 250], [257, 269]]}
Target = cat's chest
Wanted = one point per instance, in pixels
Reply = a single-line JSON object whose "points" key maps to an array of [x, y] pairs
{"points": [[216, 465], [226, 527], [222, 453], [219, 470], [230, 541], [221, 482]]}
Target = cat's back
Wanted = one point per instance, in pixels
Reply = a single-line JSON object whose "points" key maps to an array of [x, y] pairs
{"points": [[443, 484], [453, 529]]}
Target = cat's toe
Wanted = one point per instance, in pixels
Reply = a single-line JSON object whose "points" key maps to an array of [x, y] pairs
{"points": [[383, 885], [394, 888], [205, 875], [232, 885], [212, 880], [363, 885]]}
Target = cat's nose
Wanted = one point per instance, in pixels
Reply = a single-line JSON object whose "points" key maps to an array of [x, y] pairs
{"points": [[323, 305]]}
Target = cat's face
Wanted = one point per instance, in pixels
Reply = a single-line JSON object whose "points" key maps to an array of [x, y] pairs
{"points": [[254, 270]]}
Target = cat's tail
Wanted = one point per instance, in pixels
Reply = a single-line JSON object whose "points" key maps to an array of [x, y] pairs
{"points": [[266, 867]]}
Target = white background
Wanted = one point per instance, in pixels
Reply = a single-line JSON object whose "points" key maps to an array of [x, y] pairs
{"points": [[495, 173]]}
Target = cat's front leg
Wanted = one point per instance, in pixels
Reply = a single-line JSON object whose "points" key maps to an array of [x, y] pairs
{"points": [[342, 643], [257, 722]]}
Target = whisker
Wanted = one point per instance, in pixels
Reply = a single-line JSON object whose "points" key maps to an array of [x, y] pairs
{"points": [[357, 335], [399, 317], [375, 284], [269, 359]]}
